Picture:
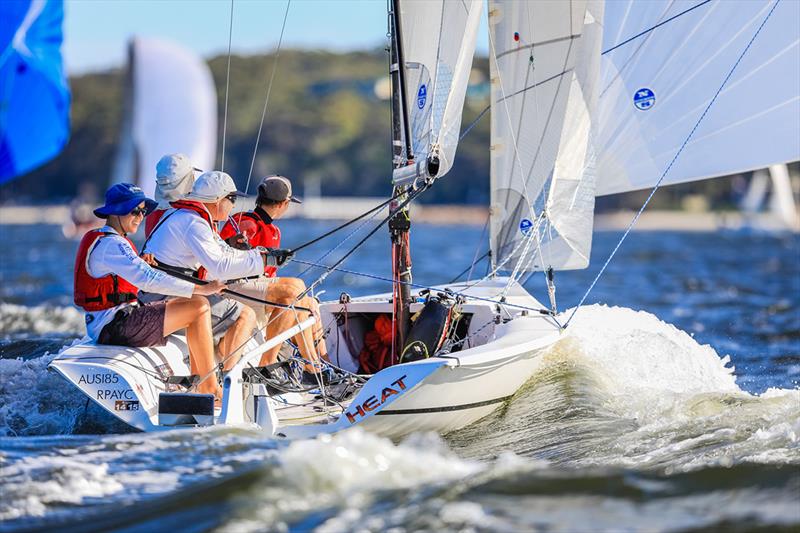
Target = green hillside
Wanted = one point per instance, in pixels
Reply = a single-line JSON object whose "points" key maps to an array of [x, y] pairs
{"points": [[323, 123]]}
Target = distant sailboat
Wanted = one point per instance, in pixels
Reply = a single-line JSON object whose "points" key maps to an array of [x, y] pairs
{"points": [[170, 105], [770, 193]]}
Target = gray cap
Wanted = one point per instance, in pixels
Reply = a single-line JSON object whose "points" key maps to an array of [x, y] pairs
{"points": [[277, 189], [174, 178]]}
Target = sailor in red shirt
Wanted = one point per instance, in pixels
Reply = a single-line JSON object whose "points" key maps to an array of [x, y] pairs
{"points": [[256, 228]]}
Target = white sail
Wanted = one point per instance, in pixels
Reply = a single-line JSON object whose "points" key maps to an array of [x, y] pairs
{"points": [[438, 38], [545, 63], [656, 86], [171, 107]]}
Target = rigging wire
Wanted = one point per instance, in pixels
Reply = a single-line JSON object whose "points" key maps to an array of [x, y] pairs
{"points": [[227, 86], [375, 209], [266, 99], [425, 287], [648, 30], [672, 162]]}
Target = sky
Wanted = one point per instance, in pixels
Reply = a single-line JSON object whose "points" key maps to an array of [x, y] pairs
{"points": [[96, 31]]}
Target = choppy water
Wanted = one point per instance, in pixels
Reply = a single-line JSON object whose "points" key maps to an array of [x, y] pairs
{"points": [[682, 417]]}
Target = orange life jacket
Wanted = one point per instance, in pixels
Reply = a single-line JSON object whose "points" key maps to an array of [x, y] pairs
{"points": [[98, 294]]}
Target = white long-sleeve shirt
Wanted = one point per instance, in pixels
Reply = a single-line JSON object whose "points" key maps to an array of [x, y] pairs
{"points": [[113, 254], [185, 240]]}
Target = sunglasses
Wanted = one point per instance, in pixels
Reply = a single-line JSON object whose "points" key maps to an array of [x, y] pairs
{"points": [[138, 211], [231, 198]]}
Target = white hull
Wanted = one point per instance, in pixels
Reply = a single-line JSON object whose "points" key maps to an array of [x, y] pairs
{"points": [[438, 394]]}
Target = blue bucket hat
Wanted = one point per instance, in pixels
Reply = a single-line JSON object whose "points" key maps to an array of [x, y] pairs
{"points": [[123, 198]]}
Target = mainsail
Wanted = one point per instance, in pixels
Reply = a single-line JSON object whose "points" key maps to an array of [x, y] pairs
{"points": [[663, 63], [544, 67], [171, 106], [438, 40], [34, 96]]}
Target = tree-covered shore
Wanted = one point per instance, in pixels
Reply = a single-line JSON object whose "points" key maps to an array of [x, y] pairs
{"points": [[325, 125]]}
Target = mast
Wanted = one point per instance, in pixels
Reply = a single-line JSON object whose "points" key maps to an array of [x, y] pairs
{"points": [[402, 155]]}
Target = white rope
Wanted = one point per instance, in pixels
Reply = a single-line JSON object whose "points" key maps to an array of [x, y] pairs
{"points": [[266, 99]]}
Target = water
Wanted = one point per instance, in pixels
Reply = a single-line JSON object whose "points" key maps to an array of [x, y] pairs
{"points": [[672, 405]]}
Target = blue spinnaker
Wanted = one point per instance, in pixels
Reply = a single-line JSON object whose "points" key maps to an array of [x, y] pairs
{"points": [[34, 95]]}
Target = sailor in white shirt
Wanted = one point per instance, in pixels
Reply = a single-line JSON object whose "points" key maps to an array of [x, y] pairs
{"points": [[186, 240], [109, 274]]}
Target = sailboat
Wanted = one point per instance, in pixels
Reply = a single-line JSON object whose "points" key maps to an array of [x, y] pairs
{"points": [[587, 98], [170, 105]]}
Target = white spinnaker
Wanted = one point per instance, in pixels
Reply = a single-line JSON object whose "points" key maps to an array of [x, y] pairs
{"points": [[545, 61], [438, 38], [172, 108], [755, 121]]}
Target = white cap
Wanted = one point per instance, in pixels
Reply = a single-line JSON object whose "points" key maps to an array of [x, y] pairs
{"points": [[211, 186], [174, 178]]}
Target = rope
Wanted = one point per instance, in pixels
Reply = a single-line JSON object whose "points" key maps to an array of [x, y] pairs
{"points": [[426, 287], [197, 281], [266, 99], [342, 242], [372, 232], [675, 158], [351, 221], [471, 266], [227, 86]]}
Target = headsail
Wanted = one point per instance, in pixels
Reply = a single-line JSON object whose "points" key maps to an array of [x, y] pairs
{"points": [[438, 39], [545, 62], [34, 96], [171, 106], [655, 87]]}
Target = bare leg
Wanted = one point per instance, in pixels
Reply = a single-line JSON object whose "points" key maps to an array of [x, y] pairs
{"points": [[281, 319], [232, 343], [194, 314]]}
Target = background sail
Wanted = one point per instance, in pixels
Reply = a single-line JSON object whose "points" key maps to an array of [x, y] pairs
{"points": [[34, 96], [655, 87], [438, 40], [545, 62], [171, 106]]}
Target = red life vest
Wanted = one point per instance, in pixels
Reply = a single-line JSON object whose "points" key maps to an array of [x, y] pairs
{"points": [[151, 221], [258, 233], [98, 294], [200, 209]]}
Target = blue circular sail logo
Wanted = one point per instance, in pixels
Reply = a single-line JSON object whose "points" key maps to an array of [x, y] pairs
{"points": [[525, 226], [644, 99], [422, 95]]}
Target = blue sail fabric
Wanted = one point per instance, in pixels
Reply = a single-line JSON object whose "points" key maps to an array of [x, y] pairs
{"points": [[34, 95]]}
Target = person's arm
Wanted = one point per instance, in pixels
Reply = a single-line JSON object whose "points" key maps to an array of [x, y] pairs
{"points": [[113, 255], [220, 260]]}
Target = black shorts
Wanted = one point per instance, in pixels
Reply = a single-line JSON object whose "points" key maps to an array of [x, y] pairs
{"points": [[136, 325]]}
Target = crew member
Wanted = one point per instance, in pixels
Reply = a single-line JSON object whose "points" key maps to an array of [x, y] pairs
{"points": [[174, 180], [256, 228], [109, 274], [186, 239]]}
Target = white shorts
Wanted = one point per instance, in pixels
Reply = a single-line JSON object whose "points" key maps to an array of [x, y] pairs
{"points": [[255, 288]]}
